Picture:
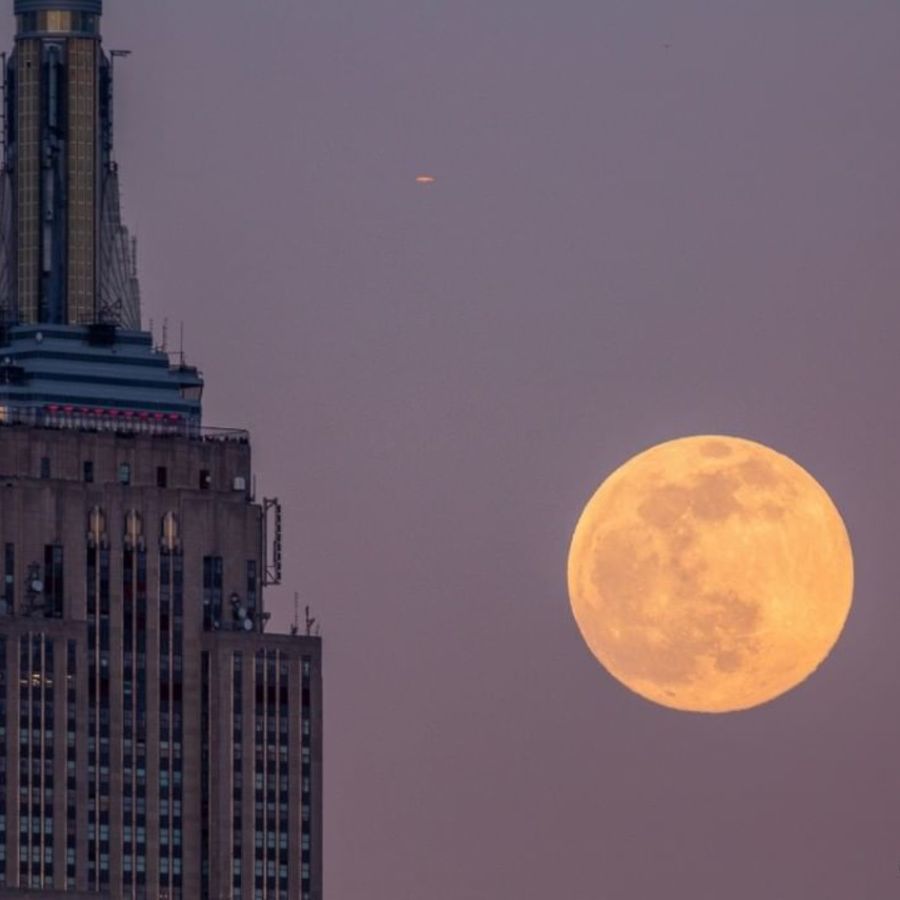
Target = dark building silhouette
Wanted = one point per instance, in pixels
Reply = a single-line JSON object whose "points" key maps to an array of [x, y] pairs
{"points": [[155, 740]]}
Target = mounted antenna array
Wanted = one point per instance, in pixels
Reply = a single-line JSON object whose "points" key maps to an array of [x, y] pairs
{"points": [[272, 567]]}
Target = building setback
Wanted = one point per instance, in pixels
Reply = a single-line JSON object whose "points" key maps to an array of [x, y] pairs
{"points": [[155, 740]]}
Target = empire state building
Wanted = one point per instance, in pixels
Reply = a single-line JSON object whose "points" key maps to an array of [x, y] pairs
{"points": [[156, 741]]}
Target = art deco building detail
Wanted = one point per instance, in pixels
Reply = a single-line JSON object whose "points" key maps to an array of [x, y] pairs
{"points": [[155, 740]]}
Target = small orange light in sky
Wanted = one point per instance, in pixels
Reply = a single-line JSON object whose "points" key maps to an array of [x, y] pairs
{"points": [[426, 179]]}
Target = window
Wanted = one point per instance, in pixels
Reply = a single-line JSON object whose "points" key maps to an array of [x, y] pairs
{"points": [[53, 581], [212, 592], [251, 588], [162, 476], [124, 473], [45, 467], [88, 471], [9, 576], [205, 480]]}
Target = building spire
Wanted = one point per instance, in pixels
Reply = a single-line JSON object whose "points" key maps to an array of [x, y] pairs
{"points": [[67, 258]]}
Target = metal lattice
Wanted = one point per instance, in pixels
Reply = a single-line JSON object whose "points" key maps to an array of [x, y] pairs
{"points": [[119, 298], [7, 257]]}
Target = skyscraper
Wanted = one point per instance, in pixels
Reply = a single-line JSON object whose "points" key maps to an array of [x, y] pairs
{"points": [[155, 740]]}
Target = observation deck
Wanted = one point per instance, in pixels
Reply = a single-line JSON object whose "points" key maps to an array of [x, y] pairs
{"points": [[98, 378]]}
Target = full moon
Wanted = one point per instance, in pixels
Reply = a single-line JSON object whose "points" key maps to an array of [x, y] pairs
{"points": [[710, 574]]}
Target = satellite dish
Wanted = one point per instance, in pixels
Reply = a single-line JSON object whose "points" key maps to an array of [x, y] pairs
{"points": [[37, 586], [241, 612], [248, 625]]}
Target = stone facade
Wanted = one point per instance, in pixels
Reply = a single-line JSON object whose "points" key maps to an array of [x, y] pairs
{"points": [[155, 741]]}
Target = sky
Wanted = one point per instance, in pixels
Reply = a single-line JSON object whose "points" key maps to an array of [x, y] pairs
{"points": [[650, 219]]}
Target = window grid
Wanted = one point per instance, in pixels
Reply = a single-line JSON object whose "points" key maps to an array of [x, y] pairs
{"points": [[204, 775], [71, 763], [171, 667], [36, 760], [306, 776], [98, 614], [3, 758], [134, 705], [237, 767]]}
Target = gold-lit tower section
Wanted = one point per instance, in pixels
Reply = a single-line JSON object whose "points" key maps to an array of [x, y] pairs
{"points": [[56, 161], [27, 174], [82, 160]]}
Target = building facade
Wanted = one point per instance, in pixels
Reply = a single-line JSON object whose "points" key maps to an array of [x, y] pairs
{"points": [[155, 740]]}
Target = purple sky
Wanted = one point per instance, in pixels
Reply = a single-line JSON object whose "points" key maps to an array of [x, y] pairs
{"points": [[651, 219]]}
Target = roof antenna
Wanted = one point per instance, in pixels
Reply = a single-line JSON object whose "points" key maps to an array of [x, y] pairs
{"points": [[310, 621], [295, 625], [165, 335], [181, 340]]}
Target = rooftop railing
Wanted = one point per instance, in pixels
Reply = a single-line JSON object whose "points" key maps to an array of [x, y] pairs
{"points": [[118, 421]]}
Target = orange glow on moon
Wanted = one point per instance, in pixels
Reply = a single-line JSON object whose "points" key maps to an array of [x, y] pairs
{"points": [[710, 574], [426, 179]]}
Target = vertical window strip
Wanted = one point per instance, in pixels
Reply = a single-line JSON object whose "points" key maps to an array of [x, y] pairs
{"points": [[139, 592], [3, 758], [271, 773], [237, 766], [93, 612], [103, 720], [24, 756], [37, 761], [259, 822], [129, 723], [284, 786], [9, 578], [71, 763], [165, 724], [306, 777], [177, 673], [48, 786], [204, 775]]}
